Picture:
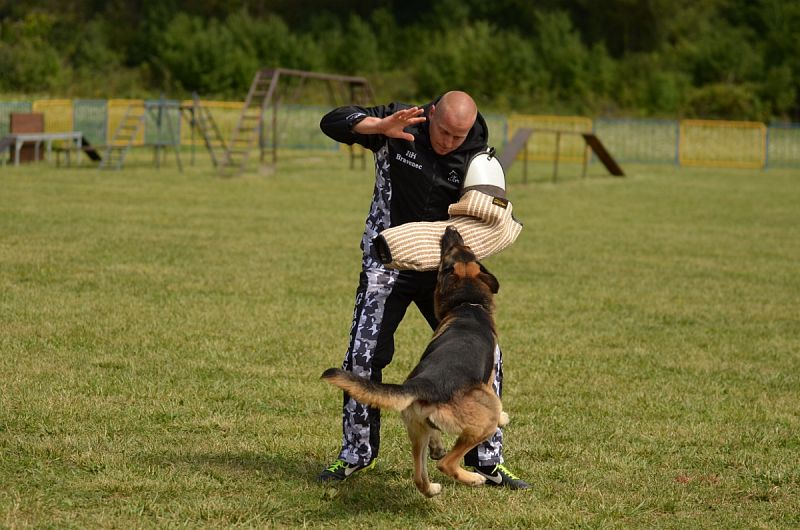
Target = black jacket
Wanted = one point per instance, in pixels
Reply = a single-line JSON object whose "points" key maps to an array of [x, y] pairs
{"points": [[423, 184]]}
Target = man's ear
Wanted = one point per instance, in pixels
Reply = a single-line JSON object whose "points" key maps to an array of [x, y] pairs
{"points": [[489, 279]]}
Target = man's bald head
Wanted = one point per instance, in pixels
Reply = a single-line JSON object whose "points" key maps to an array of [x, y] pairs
{"points": [[451, 120], [458, 106]]}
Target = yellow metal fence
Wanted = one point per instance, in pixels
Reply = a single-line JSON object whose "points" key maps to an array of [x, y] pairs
{"points": [[544, 141], [722, 143], [709, 143], [713, 143], [58, 115]]}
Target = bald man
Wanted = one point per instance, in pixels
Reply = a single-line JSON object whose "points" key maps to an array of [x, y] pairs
{"points": [[421, 154]]}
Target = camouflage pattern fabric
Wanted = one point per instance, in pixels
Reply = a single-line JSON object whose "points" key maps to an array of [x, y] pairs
{"points": [[361, 424], [379, 217]]}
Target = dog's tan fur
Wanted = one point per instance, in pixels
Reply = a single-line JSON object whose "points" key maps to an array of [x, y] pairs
{"points": [[472, 411]]}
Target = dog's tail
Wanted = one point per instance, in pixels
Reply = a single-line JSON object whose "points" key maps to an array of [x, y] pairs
{"points": [[379, 395]]}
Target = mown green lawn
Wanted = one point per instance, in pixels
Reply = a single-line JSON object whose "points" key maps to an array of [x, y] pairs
{"points": [[162, 334]]}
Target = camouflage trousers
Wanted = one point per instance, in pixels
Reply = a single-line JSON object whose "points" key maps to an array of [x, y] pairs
{"points": [[382, 297]]}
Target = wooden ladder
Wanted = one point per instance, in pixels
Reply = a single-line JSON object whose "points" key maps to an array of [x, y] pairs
{"points": [[124, 137], [201, 119], [248, 129]]}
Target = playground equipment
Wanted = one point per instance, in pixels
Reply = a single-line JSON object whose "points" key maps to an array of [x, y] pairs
{"points": [[264, 96], [519, 143], [26, 123], [27, 140], [130, 132], [646, 141], [200, 119], [138, 115]]}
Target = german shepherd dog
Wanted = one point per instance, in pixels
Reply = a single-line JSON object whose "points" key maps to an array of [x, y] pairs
{"points": [[450, 389]]}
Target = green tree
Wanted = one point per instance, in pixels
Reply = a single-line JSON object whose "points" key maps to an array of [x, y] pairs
{"points": [[563, 53], [636, 57], [29, 63], [272, 43], [357, 49], [724, 101], [205, 56]]}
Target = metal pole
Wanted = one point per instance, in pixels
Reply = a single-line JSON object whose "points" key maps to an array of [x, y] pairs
{"points": [[159, 135], [193, 123], [558, 154], [525, 165], [174, 140], [585, 158], [275, 128], [262, 142]]}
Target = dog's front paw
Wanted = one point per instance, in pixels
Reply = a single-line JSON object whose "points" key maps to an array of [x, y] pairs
{"points": [[504, 419], [434, 489]]}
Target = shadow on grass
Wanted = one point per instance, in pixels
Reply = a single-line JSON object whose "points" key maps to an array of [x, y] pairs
{"points": [[382, 490]]}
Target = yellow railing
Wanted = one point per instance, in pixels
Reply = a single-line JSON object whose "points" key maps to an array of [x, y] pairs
{"points": [[57, 114], [543, 145], [714, 143], [719, 143]]}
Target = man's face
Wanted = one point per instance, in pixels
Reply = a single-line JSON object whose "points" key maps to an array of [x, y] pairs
{"points": [[447, 132]]}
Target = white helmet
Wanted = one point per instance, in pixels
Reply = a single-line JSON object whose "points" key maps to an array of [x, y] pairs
{"points": [[485, 174]]}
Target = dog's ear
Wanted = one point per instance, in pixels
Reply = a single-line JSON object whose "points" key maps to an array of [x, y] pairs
{"points": [[489, 279], [446, 283]]}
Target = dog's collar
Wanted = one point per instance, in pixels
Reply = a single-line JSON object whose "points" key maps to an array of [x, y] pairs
{"points": [[472, 304]]}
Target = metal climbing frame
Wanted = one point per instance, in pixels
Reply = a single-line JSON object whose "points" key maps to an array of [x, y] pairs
{"points": [[130, 130], [265, 95]]}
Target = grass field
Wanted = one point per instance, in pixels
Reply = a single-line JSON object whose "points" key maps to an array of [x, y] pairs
{"points": [[162, 334]]}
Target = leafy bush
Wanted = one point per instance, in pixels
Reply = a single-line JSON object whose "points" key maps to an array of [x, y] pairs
{"points": [[646, 81], [205, 56], [28, 66], [722, 100], [272, 44], [27, 60], [494, 66], [726, 58]]}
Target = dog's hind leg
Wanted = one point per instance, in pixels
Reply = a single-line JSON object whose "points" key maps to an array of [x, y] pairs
{"points": [[419, 434], [478, 413], [450, 464]]}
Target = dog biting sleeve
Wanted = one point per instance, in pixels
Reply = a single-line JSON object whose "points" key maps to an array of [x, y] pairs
{"points": [[485, 222]]}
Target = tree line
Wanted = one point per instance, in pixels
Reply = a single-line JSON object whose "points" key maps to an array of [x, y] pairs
{"points": [[730, 59]]}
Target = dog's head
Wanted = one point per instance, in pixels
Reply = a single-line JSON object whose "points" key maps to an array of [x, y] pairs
{"points": [[462, 279]]}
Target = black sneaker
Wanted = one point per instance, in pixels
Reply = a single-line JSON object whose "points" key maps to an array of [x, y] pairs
{"points": [[499, 475], [340, 470]]}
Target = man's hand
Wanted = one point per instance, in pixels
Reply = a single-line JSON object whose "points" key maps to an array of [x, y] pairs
{"points": [[392, 125]]}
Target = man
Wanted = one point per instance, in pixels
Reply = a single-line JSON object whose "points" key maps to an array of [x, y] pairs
{"points": [[421, 155]]}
